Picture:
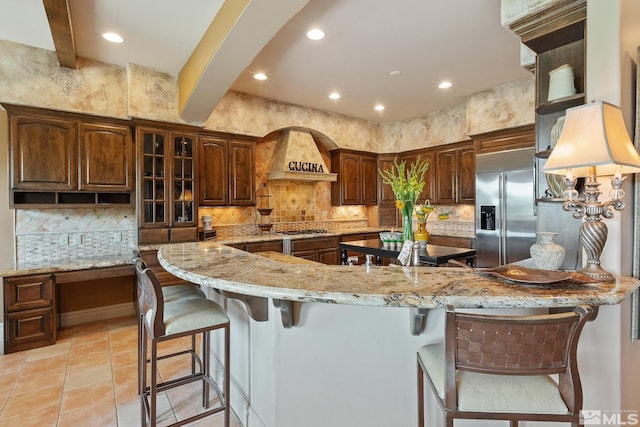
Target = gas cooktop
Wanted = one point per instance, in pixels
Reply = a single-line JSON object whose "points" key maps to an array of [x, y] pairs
{"points": [[305, 231]]}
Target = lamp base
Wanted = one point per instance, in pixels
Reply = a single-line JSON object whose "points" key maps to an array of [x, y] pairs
{"points": [[596, 272]]}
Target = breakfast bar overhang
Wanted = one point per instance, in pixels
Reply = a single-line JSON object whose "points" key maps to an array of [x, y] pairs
{"points": [[349, 360]]}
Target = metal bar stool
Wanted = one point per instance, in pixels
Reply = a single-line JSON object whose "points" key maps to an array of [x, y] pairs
{"points": [[163, 321], [500, 367]]}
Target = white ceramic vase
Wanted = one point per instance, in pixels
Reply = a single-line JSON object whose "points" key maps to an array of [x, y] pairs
{"points": [[547, 254]]}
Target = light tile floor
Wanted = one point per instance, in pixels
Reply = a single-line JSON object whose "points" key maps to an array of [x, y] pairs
{"points": [[89, 378]]}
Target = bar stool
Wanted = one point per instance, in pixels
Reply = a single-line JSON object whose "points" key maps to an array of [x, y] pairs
{"points": [[499, 367], [173, 289], [163, 321]]}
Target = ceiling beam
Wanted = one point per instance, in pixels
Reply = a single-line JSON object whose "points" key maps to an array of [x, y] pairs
{"points": [[237, 34], [59, 17]]}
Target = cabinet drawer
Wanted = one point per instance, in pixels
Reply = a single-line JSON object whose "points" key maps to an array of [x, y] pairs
{"points": [[29, 329], [275, 246], [29, 292], [184, 234], [316, 243], [153, 235]]}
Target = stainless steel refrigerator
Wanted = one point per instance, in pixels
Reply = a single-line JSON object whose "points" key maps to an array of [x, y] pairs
{"points": [[505, 207]]}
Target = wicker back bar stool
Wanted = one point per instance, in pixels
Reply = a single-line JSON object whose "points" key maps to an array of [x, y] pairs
{"points": [[500, 367], [164, 320]]}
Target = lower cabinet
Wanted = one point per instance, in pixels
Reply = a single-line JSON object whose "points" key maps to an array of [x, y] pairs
{"points": [[320, 249], [35, 304], [452, 241], [29, 312]]}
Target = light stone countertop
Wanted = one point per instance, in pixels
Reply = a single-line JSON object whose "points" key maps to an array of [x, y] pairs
{"points": [[217, 266], [49, 267]]}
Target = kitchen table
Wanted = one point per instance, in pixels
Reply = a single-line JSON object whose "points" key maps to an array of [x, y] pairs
{"points": [[432, 255]]}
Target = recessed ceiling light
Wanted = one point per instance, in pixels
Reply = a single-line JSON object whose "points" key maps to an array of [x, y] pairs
{"points": [[113, 37], [315, 34], [260, 76], [395, 73], [444, 85], [334, 95], [379, 107]]}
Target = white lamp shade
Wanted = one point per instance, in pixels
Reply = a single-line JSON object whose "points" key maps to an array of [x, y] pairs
{"points": [[593, 135]]}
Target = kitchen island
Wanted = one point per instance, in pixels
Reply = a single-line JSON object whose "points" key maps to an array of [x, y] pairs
{"points": [[349, 359]]}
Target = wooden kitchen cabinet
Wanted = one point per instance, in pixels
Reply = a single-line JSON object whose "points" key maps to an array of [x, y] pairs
{"points": [[319, 249], [34, 304], [455, 174], [106, 157], [357, 182], [558, 37], [167, 183], [227, 171], [410, 157], [29, 312], [59, 158]]}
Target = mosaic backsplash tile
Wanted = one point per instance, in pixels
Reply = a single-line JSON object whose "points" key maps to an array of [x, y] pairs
{"points": [[64, 234]]}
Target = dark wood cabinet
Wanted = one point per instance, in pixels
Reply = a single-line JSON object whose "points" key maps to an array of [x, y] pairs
{"points": [[227, 171], [319, 249], [59, 158], [167, 182], [455, 174], [30, 320], [35, 305], [106, 157], [214, 175], [558, 37], [410, 157], [43, 153], [241, 173], [357, 182]]}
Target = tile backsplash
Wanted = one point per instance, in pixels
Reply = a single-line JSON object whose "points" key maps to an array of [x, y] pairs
{"points": [[62, 234]]}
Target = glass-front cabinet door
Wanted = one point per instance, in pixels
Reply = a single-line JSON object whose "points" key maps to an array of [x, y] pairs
{"points": [[167, 207], [154, 172], [183, 180]]}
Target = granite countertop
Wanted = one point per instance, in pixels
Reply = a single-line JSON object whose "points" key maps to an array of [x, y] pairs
{"points": [[224, 268], [47, 267]]}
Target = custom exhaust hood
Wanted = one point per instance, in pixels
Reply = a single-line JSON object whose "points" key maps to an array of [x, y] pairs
{"points": [[297, 158]]}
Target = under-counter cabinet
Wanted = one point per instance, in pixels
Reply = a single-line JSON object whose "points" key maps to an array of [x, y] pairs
{"points": [[35, 306], [60, 158], [227, 171], [29, 312], [319, 249], [167, 184]]}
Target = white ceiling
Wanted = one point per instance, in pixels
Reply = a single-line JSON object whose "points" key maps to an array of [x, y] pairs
{"points": [[427, 41]]}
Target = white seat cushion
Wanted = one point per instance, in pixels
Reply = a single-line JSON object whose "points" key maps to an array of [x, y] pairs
{"points": [[177, 292], [191, 314], [536, 394]]}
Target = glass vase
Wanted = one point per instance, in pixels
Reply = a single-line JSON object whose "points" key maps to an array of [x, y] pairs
{"points": [[407, 221]]}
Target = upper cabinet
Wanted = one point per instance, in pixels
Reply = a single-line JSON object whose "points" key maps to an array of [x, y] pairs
{"points": [[410, 157], [357, 178], [455, 174], [106, 160], [227, 171], [69, 159], [168, 183]]}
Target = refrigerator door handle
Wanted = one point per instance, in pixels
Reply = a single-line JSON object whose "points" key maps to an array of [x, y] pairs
{"points": [[500, 219], [503, 220]]}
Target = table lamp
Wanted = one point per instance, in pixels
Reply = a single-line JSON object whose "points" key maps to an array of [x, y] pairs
{"points": [[594, 141]]}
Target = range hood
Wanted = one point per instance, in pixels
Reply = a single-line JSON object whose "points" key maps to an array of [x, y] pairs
{"points": [[297, 158]]}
